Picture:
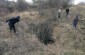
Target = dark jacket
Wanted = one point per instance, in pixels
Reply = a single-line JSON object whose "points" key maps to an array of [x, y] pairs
{"points": [[13, 20]]}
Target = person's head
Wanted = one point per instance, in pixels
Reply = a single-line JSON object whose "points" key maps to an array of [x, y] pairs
{"points": [[18, 17]]}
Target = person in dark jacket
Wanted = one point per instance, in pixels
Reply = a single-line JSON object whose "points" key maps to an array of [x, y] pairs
{"points": [[75, 21], [12, 21], [67, 11]]}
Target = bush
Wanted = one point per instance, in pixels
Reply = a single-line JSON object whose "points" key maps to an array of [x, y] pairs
{"points": [[44, 33], [21, 5], [3, 47], [43, 4]]}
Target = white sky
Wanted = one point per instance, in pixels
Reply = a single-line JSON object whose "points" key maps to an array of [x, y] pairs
{"points": [[78, 1], [75, 2], [26, 0]]}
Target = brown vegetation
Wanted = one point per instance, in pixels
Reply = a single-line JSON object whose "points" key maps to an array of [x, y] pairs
{"points": [[36, 26]]}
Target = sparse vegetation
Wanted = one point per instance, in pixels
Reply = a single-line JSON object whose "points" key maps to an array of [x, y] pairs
{"points": [[38, 26]]}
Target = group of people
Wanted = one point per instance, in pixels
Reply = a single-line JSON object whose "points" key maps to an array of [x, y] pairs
{"points": [[12, 21], [59, 12], [75, 21]]}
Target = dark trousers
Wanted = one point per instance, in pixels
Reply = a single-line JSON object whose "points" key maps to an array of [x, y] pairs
{"points": [[12, 27], [67, 13], [75, 25], [59, 15]]}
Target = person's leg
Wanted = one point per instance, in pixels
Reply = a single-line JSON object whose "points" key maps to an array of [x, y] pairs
{"points": [[74, 24], [10, 26], [58, 15], [67, 13], [14, 29]]}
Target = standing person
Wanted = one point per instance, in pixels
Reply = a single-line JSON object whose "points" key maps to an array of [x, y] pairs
{"points": [[59, 11], [12, 21], [75, 21], [67, 11]]}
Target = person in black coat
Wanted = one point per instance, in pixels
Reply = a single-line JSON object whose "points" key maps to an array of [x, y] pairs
{"points": [[12, 21], [75, 21], [67, 11]]}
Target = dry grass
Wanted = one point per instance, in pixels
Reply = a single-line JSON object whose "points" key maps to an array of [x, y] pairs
{"points": [[68, 40]]}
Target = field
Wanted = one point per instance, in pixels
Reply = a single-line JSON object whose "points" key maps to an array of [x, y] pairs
{"points": [[35, 25]]}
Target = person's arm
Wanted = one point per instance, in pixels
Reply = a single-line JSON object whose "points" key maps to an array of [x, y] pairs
{"points": [[11, 19], [17, 20], [7, 20]]}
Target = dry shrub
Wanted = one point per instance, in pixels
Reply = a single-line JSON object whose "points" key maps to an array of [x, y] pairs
{"points": [[3, 47], [44, 33]]}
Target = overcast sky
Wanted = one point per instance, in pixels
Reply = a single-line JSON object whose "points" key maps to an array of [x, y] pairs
{"points": [[26, 0], [78, 1], [75, 2]]}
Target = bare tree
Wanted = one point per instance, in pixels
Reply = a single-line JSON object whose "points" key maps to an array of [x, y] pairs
{"points": [[52, 3], [22, 5]]}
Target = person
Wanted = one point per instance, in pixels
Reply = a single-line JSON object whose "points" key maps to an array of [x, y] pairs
{"points": [[75, 21], [59, 11], [12, 21], [67, 11]]}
